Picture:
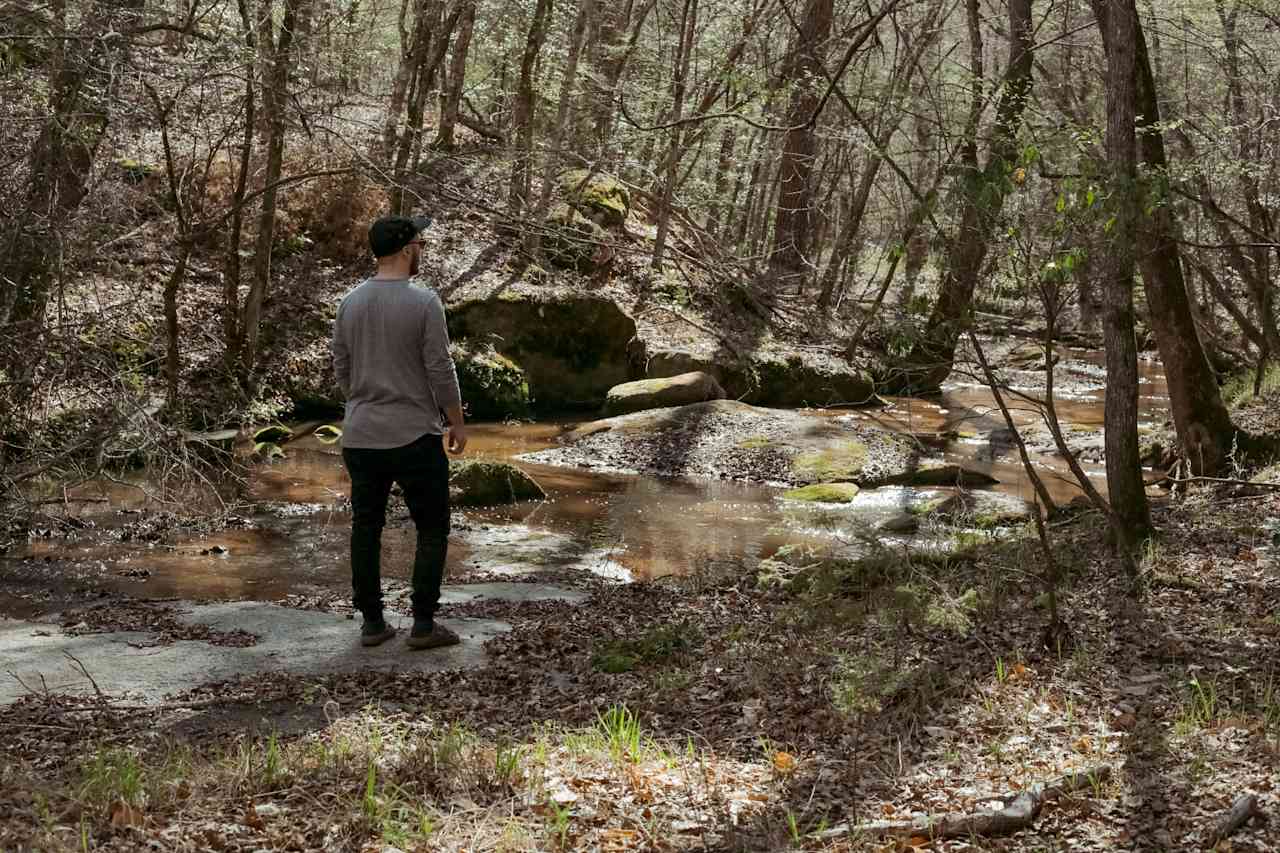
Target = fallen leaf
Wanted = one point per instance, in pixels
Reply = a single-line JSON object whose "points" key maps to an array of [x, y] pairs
{"points": [[126, 814], [784, 762], [252, 819]]}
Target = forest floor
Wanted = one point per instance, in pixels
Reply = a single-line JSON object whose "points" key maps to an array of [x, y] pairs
{"points": [[782, 708], [775, 711]]}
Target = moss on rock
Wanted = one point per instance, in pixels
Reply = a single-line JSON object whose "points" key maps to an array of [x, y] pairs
{"points": [[481, 483], [827, 493], [843, 460], [493, 386], [572, 348], [600, 197], [572, 240], [681, 390]]}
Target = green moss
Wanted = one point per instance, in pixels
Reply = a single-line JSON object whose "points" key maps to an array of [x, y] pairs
{"points": [[481, 483], [842, 461], [572, 240], [831, 493], [755, 442], [601, 197], [999, 518], [493, 386]]}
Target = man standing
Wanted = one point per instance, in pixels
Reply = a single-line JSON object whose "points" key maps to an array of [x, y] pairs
{"points": [[391, 357]]}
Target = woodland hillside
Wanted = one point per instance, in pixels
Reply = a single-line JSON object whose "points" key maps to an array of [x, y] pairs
{"points": [[877, 442]]}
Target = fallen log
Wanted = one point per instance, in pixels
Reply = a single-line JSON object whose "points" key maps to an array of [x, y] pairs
{"points": [[1018, 815], [1244, 809]]}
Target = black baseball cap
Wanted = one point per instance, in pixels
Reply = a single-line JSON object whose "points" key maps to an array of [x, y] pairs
{"points": [[390, 234]]}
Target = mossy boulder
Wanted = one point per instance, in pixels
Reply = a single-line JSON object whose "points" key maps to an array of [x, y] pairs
{"points": [[826, 493], [493, 386], [599, 197], [480, 483], [573, 241], [660, 393], [572, 348]]}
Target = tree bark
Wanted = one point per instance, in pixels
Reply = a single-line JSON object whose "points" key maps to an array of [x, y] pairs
{"points": [[790, 261], [275, 103], [984, 193], [522, 120], [1127, 493], [688, 21], [1200, 417], [457, 76]]}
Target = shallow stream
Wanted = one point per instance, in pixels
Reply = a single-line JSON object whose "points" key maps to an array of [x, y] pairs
{"points": [[611, 525]]}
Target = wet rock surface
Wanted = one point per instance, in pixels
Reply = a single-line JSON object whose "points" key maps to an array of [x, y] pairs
{"points": [[682, 390], [572, 347], [482, 483], [731, 440], [290, 640]]}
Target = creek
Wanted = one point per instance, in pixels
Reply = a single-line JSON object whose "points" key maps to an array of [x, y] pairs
{"points": [[612, 525]]}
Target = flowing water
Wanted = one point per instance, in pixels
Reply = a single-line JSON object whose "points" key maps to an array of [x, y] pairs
{"points": [[616, 526]]}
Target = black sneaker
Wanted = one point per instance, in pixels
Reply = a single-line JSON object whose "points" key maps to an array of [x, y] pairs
{"points": [[375, 632], [431, 635]]}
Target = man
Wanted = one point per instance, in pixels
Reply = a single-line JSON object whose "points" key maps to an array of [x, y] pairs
{"points": [[391, 357]]}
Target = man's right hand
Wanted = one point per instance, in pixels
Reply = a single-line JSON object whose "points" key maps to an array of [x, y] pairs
{"points": [[457, 439]]}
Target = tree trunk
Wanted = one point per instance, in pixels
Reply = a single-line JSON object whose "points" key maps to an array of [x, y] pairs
{"points": [[410, 48], [560, 129], [61, 158], [984, 194], [688, 21], [1200, 417], [721, 208], [275, 100], [457, 76], [232, 332], [522, 120], [790, 261], [1127, 493]]}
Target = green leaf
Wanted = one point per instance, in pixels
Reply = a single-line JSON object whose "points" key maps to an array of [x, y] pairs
{"points": [[328, 434], [274, 434], [268, 450]]}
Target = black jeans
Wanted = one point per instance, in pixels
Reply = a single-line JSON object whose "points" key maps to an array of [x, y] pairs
{"points": [[422, 470]]}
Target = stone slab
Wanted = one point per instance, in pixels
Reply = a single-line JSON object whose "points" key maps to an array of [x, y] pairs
{"points": [[37, 655]]}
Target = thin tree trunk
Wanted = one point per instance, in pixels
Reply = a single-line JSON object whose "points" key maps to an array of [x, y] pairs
{"points": [[790, 261], [457, 76], [518, 195], [560, 129], [984, 195], [231, 330], [688, 21], [1128, 497], [275, 100]]}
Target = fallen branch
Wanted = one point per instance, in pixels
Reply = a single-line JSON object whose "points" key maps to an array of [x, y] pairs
{"points": [[1242, 811], [1018, 815], [1228, 481]]}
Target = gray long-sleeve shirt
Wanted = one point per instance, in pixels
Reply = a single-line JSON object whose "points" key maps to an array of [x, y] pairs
{"points": [[391, 357]]}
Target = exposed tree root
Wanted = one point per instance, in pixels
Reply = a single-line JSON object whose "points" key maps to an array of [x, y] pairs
{"points": [[1021, 812], [1244, 809]]}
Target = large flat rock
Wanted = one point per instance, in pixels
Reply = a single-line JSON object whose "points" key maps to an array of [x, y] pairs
{"points": [[38, 656]]}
